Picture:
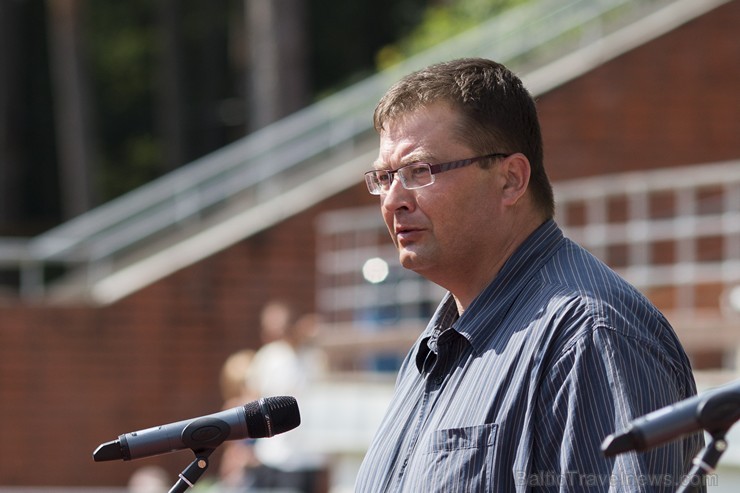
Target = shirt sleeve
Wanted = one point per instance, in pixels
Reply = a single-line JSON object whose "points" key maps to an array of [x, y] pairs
{"points": [[595, 387]]}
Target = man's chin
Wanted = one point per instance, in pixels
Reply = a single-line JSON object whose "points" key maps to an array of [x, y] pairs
{"points": [[410, 260]]}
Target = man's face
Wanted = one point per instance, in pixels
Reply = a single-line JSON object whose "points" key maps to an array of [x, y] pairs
{"points": [[445, 230]]}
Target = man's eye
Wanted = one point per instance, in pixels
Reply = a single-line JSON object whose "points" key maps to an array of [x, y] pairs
{"points": [[383, 177]]}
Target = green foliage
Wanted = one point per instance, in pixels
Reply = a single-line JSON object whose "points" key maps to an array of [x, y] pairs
{"points": [[441, 22], [121, 49], [125, 50], [346, 35], [125, 46]]}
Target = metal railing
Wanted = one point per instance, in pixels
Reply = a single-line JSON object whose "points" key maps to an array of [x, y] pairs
{"points": [[320, 139]]}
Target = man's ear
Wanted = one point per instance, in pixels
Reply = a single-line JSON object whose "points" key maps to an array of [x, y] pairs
{"points": [[516, 171]]}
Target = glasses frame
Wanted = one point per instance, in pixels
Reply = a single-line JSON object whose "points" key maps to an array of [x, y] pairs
{"points": [[433, 170]]}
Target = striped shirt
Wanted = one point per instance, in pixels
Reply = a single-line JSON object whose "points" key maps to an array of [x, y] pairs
{"points": [[519, 392]]}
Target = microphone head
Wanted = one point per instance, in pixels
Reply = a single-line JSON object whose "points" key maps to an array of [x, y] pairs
{"points": [[271, 416]]}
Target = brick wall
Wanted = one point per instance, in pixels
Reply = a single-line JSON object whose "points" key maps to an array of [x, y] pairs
{"points": [[670, 102], [73, 377]]}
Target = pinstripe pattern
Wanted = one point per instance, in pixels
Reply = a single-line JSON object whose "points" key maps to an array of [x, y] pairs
{"points": [[519, 392]]}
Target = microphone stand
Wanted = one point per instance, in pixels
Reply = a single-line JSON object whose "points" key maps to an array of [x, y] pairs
{"points": [[193, 472], [704, 463], [717, 414]]}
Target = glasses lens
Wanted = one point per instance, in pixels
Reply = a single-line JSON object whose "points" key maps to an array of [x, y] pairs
{"points": [[416, 175], [377, 181], [412, 176]]}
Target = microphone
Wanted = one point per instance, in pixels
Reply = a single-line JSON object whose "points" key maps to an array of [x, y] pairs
{"points": [[714, 411], [258, 419]]}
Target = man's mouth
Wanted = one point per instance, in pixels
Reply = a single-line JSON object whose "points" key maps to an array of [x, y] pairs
{"points": [[406, 234]]}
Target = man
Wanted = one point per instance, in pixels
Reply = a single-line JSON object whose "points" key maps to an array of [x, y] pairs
{"points": [[539, 350]]}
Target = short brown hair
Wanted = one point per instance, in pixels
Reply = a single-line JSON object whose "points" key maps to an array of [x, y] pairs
{"points": [[498, 113]]}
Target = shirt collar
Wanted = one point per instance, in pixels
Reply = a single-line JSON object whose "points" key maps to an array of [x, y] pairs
{"points": [[489, 308], [443, 319]]}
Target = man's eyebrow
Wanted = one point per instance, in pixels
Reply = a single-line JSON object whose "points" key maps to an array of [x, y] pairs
{"points": [[410, 159]]}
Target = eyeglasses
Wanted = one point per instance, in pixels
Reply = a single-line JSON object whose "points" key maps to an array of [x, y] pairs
{"points": [[416, 175]]}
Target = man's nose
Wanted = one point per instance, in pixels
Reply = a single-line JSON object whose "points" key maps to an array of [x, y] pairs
{"points": [[397, 196]]}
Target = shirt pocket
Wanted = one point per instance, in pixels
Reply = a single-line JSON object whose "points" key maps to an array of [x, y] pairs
{"points": [[461, 460]]}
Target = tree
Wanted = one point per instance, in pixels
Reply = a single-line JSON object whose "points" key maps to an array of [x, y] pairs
{"points": [[71, 98], [278, 64], [97, 98], [10, 89], [441, 21]]}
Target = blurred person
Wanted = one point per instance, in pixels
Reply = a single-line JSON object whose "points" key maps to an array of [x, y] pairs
{"points": [[275, 320], [149, 479], [234, 377], [288, 365], [538, 351], [238, 458]]}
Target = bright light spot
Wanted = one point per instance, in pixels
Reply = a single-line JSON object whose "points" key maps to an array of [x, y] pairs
{"points": [[734, 298], [375, 270]]}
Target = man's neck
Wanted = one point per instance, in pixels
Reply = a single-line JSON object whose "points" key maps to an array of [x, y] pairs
{"points": [[471, 284]]}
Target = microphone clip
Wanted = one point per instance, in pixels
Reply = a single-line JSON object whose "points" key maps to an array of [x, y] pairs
{"points": [[202, 436], [191, 474]]}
